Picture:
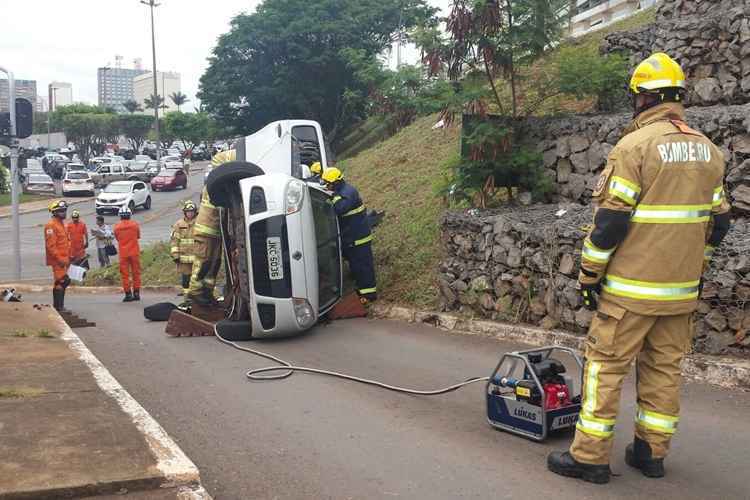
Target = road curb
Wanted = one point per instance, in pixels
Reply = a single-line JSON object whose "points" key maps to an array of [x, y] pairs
{"points": [[728, 373], [31, 288], [30, 210], [177, 470]]}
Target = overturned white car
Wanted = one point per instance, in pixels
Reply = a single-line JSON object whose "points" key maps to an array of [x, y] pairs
{"points": [[281, 235]]}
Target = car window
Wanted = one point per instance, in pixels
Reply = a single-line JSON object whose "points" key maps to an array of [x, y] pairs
{"points": [[329, 263], [138, 187], [78, 175], [103, 170]]}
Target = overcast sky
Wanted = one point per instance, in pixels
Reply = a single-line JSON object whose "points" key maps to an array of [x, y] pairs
{"points": [[51, 40]]}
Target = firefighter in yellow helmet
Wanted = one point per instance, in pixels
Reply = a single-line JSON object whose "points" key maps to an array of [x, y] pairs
{"points": [[181, 243], [207, 243], [661, 211], [316, 171]]}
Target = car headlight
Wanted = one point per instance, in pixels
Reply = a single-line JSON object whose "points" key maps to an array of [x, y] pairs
{"points": [[303, 313], [294, 196]]}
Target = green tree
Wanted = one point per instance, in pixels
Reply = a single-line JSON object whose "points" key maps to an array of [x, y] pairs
{"points": [[178, 98], [291, 58], [189, 128], [90, 132], [153, 101], [135, 128], [132, 106]]}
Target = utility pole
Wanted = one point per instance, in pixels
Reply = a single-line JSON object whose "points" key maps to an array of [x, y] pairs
{"points": [[152, 4], [14, 175], [50, 107]]}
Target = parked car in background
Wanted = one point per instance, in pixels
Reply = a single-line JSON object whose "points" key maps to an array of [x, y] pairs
{"points": [[39, 183], [77, 182], [34, 165], [120, 194], [136, 171], [75, 167], [111, 172], [152, 167], [142, 158], [170, 159], [169, 178]]}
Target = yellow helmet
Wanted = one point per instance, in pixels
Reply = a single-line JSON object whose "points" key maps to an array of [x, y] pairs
{"points": [[657, 72], [57, 206], [316, 168], [76, 214], [332, 175], [189, 205]]}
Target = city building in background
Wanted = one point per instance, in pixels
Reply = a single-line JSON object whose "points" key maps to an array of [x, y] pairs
{"points": [[59, 94], [590, 15], [25, 89], [167, 83], [115, 86]]}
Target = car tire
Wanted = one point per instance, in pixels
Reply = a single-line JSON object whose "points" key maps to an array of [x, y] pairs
{"points": [[147, 204], [234, 330], [100, 212], [223, 179]]}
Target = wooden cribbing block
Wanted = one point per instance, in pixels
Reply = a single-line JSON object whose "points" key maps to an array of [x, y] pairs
{"points": [[181, 324]]}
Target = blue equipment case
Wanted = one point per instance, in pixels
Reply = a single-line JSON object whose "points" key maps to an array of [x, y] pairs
{"points": [[506, 412]]}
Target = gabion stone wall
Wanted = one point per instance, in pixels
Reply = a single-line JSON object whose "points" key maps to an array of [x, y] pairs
{"points": [[521, 265], [575, 148], [709, 38]]}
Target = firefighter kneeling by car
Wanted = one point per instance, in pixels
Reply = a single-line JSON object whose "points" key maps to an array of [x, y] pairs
{"points": [[181, 244], [356, 238], [661, 212]]}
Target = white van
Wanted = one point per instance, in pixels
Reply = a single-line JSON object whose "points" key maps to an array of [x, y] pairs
{"points": [[281, 233]]}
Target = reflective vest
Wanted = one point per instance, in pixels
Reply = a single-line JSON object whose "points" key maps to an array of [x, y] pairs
{"points": [[353, 222], [181, 241], [207, 221], [669, 178]]}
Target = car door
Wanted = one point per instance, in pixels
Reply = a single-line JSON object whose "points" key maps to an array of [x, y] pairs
{"points": [[139, 193]]}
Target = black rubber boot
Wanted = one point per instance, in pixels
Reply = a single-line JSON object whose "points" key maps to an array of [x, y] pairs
{"points": [[564, 464], [638, 455], [205, 298], [62, 300], [136, 294], [128, 297]]}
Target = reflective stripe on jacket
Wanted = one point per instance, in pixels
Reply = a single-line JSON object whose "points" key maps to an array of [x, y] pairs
{"points": [[669, 179], [353, 222]]}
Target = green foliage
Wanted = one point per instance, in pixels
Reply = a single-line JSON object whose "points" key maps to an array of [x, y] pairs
{"points": [[91, 132], [132, 106], [585, 74], [178, 98], [153, 101], [4, 180], [135, 128], [190, 128], [302, 59], [157, 268]]}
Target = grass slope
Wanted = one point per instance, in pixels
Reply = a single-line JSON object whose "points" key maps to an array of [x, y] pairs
{"points": [[157, 268], [398, 176]]}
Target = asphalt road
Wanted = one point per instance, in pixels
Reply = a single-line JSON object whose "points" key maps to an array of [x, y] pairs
{"points": [[317, 437], [155, 226]]}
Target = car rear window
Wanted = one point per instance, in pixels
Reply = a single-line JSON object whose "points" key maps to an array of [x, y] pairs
{"points": [[78, 175]]}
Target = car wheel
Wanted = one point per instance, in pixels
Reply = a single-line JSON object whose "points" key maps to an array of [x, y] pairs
{"points": [[222, 180], [100, 212], [147, 205], [238, 280], [131, 206]]}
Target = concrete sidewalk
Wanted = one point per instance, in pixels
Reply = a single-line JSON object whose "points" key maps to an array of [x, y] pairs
{"points": [[67, 427], [39, 205]]}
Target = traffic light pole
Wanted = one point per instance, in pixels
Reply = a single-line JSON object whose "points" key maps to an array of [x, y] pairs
{"points": [[14, 187]]}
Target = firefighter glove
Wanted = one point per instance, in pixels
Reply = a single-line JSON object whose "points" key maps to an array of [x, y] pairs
{"points": [[589, 296]]}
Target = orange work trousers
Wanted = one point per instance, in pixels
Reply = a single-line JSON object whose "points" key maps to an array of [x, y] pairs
{"points": [[58, 273], [128, 265]]}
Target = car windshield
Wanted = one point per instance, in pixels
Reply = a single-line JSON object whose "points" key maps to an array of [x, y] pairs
{"points": [[117, 188], [78, 175], [326, 234]]}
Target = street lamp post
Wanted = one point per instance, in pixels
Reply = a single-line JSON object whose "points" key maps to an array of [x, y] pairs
{"points": [[50, 106], [152, 4]]}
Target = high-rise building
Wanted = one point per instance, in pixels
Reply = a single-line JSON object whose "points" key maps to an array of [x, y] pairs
{"points": [[59, 94], [590, 15], [24, 88], [167, 83], [115, 86]]}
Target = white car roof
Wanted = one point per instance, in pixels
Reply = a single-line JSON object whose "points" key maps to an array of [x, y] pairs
{"points": [[124, 183]]}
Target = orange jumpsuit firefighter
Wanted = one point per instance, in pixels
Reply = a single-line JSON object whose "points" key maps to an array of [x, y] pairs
{"points": [[127, 232], [79, 238], [661, 212], [57, 247]]}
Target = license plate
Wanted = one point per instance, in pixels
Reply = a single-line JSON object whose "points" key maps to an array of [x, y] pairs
{"points": [[275, 264]]}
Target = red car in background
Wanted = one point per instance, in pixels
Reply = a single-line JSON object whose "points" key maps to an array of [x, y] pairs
{"points": [[169, 179]]}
